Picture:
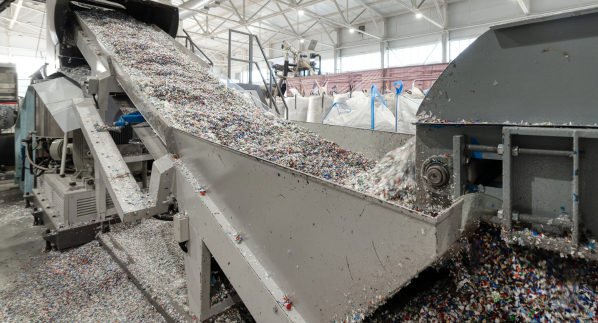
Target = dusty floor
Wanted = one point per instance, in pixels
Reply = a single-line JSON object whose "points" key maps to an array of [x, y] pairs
{"points": [[84, 284], [20, 242]]}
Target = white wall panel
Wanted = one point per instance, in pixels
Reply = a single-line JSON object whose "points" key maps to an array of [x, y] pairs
{"points": [[468, 32], [415, 41]]}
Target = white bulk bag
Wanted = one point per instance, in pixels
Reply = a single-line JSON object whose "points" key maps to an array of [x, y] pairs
{"points": [[406, 109]]}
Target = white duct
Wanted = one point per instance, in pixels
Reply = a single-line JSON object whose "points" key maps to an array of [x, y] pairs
{"points": [[191, 4]]}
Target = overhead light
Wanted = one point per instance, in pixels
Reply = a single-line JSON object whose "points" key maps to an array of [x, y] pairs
{"points": [[301, 12], [419, 15], [351, 30], [301, 41]]}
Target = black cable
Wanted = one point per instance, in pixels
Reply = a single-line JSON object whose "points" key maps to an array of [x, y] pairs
{"points": [[163, 217], [96, 101]]}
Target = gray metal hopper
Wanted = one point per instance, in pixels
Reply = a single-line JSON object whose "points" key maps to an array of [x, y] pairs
{"points": [[334, 252], [516, 114]]}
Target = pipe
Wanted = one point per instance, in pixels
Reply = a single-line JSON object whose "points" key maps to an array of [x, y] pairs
{"points": [[490, 149], [64, 148], [523, 151], [191, 4], [546, 152], [36, 165]]}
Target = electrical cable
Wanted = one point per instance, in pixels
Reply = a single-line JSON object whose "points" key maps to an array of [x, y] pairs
{"points": [[40, 167], [36, 165], [163, 217]]}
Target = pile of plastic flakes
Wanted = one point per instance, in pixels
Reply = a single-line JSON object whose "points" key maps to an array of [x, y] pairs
{"points": [[82, 284], [220, 288], [234, 314], [78, 74], [148, 249], [192, 99], [495, 282], [393, 179]]}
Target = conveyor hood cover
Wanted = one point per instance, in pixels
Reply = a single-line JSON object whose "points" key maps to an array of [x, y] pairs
{"points": [[164, 16], [58, 95], [536, 71]]}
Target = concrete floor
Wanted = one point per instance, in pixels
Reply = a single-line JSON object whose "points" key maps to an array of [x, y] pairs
{"points": [[21, 244]]}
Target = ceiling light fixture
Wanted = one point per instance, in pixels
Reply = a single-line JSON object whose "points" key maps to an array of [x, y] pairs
{"points": [[301, 12], [301, 41], [419, 15], [351, 30]]}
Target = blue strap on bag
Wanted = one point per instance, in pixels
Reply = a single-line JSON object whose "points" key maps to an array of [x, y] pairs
{"points": [[375, 93], [398, 88], [337, 105]]}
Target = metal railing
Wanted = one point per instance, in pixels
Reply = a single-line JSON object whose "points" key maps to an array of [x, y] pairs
{"points": [[250, 61], [191, 46]]}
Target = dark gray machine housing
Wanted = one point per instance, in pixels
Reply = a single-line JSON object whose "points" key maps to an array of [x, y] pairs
{"points": [[520, 124], [59, 25]]}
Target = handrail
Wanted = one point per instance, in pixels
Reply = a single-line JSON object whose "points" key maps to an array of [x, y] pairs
{"points": [[251, 61], [193, 46]]}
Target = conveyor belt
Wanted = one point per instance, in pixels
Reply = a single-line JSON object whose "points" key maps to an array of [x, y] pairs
{"points": [[337, 252]]}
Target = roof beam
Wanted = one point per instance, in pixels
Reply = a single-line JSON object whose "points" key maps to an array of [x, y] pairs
{"points": [[359, 15], [285, 18], [329, 21], [327, 33], [200, 26], [23, 24], [15, 14], [372, 12], [524, 6], [440, 15], [414, 10], [340, 12], [236, 12], [260, 9]]}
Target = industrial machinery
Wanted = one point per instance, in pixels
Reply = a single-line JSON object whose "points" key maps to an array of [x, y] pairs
{"points": [[281, 235], [9, 111], [9, 106], [506, 120], [300, 64]]}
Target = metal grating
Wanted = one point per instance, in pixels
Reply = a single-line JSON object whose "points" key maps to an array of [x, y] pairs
{"points": [[86, 206], [47, 190]]}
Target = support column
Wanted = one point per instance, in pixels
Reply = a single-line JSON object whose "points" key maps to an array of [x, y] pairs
{"points": [[337, 65], [383, 61], [445, 36], [445, 46], [335, 56], [382, 46]]}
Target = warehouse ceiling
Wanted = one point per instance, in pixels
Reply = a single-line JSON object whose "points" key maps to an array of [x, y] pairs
{"points": [[277, 20], [208, 21]]}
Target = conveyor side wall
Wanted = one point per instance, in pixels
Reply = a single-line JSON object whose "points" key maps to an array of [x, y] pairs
{"points": [[322, 243]]}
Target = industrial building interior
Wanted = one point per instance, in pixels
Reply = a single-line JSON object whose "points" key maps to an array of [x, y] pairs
{"points": [[298, 161]]}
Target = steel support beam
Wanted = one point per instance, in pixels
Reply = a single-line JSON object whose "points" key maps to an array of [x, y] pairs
{"points": [[15, 14], [415, 10], [524, 4]]}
